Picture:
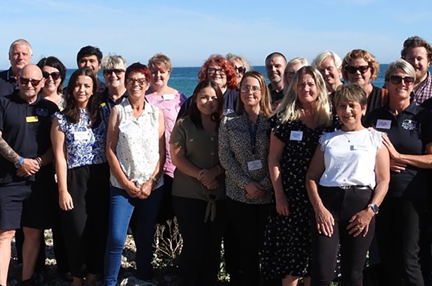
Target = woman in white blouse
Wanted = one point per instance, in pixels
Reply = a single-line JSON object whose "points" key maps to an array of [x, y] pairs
{"points": [[346, 182], [136, 155]]}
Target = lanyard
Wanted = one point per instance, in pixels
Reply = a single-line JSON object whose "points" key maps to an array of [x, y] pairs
{"points": [[253, 128]]}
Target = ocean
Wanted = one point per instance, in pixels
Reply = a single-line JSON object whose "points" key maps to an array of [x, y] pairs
{"points": [[185, 79]]}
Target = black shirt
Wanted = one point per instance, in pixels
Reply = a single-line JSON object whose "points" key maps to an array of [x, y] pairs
{"points": [[107, 104], [26, 128], [274, 94], [409, 133], [7, 83]]}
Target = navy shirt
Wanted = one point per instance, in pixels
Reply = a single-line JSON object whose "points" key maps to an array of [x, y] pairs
{"points": [[409, 133], [26, 128], [107, 104], [8, 83]]}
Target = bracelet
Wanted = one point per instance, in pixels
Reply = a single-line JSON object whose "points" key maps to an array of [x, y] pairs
{"points": [[39, 161], [154, 179]]}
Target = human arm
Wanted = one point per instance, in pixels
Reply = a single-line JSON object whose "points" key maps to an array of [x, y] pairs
{"points": [[111, 144], [58, 146], [324, 219], [148, 186], [43, 160], [359, 223]]}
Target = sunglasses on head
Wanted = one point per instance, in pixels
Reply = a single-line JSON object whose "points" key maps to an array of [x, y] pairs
{"points": [[240, 69], [34, 82], [353, 69], [54, 75], [116, 71], [398, 79]]}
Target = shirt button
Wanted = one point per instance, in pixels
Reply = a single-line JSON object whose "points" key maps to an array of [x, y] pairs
{"points": [[211, 139], [212, 153]]}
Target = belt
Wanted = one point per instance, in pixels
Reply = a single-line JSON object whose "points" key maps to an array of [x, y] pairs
{"points": [[355, 187]]}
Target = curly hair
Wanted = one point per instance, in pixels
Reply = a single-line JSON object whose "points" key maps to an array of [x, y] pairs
{"points": [[224, 64], [360, 54], [414, 42]]}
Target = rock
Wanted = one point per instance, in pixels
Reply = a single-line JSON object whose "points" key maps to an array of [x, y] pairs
{"points": [[133, 281]]}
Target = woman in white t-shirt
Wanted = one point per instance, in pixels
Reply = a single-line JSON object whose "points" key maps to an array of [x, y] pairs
{"points": [[346, 182]]}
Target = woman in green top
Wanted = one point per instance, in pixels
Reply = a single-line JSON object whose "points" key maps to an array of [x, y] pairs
{"points": [[198, 186]]}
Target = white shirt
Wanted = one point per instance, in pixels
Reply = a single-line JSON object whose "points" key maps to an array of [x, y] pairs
{"points": [[138, 143], [350, 158]]}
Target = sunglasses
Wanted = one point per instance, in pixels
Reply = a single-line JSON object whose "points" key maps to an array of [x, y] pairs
{"points": [[54, 75], [240, 69], [398, 79], [34, 82], [140, 81], [353, 69], [116, 71]]}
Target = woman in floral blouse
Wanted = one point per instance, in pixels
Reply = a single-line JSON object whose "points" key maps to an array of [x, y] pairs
{"points": [[77, 136], [243, 151]]}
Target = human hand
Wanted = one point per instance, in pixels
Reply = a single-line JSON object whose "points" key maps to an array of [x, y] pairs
{"points": [[131, 189], [213, 185], [282, 207], [28, 168], [65, 201], [145, 190], [325, 221], [206, 176], [396, 166], [254, 191], [394, 154], [359, 223]]}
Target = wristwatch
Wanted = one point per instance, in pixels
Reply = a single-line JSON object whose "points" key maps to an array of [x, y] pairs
{"points": [[19, 163], [374, 208]]}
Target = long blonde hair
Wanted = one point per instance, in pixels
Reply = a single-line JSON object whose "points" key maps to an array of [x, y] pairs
{"points": [[290, 108]]}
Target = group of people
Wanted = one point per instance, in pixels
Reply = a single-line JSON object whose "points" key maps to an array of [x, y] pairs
{"points": [[292, 176]]}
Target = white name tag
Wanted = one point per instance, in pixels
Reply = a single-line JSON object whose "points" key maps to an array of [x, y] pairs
{"points": [[168, 96], [383, 124], [81, 135], [359, 147], [254, 165], [296, 135], [126, 126]]}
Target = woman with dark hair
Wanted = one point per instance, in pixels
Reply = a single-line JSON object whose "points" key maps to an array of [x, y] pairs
{"points": [[54, 73], [77, 136], [243, 152], [199, 186]]}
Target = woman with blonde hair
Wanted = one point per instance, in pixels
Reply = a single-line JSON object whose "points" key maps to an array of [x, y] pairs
{"points": [[301, 118], [241, 65], [291, 68]]}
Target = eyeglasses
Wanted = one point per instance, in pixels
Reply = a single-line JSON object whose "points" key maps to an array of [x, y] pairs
{"points": [[34, 82], [240, 69], [140, 81], [398, 79], [212, 71], [116, 71], [353, 69], [54, 75], [254, 89]]}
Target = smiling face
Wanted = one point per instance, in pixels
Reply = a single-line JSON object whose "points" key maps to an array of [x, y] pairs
{"points": [[417, 57], [250, 92], [30, 82], [239, 70], [159, 76], [361, 78], [275, 68], [206, 101], [218, 75], [114, 78], [350, 114], [136, 84], [83, 90], [307, 91], [90, 61], [52, 79], [399, 86], [330, 73]]}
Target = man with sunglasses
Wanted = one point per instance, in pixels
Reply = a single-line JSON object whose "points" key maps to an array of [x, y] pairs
{"points": [[25, 169], [275, 68], [20, 54], [418, 53]]}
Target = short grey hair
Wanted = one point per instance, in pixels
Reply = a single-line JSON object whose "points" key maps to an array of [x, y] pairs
{"points": [[20, 42], [113, 62], [401, 64], [322, 56]]}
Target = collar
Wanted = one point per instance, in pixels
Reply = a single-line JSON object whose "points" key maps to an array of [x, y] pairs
{"points": [[412, 108], [426, 82], [17, 98], [9, 76]]}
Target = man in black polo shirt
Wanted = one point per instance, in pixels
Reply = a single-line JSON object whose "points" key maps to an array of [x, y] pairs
{"points": [[91, 57], [20, 54], [25, 169], [275, 67]]}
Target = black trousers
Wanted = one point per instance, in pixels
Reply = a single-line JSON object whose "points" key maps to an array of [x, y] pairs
{"points": [[248, 221], [85, 227], [200, 257], [342, 204], [399, 224]]}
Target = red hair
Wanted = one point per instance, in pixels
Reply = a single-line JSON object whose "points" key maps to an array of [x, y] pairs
{"points": [[222, 63]]}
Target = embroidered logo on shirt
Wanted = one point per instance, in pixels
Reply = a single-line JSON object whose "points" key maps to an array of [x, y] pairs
{"points": [[43, 112], [409, 124]]}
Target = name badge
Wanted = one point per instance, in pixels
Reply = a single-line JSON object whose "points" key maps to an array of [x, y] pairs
{"points": [[168, 96], [383, 124], [358, 147], [296, 135], [126, 126], [254, 165], [81, 135], [30, 119]]}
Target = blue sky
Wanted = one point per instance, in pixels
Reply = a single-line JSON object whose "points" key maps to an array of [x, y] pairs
{"points": [[189, 31]]}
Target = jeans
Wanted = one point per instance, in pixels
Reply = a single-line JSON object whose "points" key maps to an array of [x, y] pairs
{"points": [[121, 209]]}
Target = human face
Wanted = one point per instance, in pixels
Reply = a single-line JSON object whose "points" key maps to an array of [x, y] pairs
{"points": [[91, 62], [28, 89], [159, 76], [206, 101], [250, 92], [330, 72], [362, 79], [114, 78], [239, 70], [307, 91], [350, 114], [19, 57], [83, 90], [275, 68], [137, 84], [417, 57], [291, 71], [399, 91], [51, 84], [218, 75]]}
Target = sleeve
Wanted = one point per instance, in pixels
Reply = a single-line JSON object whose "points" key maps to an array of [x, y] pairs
{"points": [[323, 141], [227, 159], [178, 135], [266, 183], [62, 120], [377, 139], [280, 129]]}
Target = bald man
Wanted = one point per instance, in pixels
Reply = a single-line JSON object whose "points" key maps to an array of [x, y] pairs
{"points": [[20, 55], [25, 168]]}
